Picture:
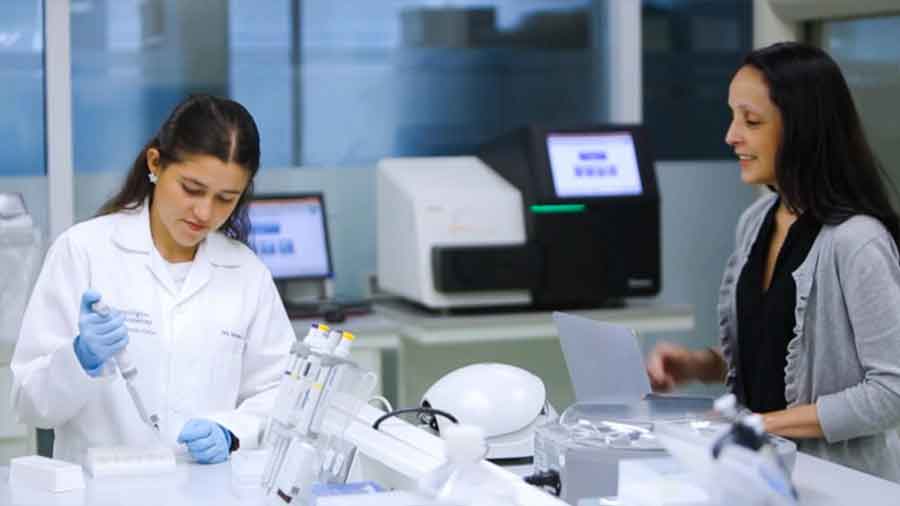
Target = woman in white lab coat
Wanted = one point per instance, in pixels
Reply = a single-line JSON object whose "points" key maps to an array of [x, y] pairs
{"points": [[197, 312]]}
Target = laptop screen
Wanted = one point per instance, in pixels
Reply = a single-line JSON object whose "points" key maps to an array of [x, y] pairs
{"points": [[604, 360]]}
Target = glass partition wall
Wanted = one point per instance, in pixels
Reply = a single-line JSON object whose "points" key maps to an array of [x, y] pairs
{"points": [[23, 170], [868, 51]]}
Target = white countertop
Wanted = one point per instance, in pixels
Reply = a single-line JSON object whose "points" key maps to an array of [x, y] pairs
{"points": [[819, 482], [428, 328], [382, 328], [190, 484]]}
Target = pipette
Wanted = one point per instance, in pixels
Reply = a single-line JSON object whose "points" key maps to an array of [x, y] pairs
{"points": [[129, 372]]}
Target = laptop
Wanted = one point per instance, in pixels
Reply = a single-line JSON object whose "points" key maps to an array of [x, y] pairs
{"points": [[604, 360], [607, 369]]}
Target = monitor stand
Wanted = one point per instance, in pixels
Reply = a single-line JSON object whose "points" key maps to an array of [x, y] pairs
{"points": [[302, 292], [315, 299]]}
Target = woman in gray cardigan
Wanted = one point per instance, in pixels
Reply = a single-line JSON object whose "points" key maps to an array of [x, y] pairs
{"points": [[809, 306]]}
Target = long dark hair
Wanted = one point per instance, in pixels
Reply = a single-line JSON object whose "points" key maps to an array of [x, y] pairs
{"points": [[200, 125], [825, 165]]}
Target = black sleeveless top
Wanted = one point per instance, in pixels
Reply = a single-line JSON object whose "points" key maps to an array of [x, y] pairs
{"points": [[766, 318]]}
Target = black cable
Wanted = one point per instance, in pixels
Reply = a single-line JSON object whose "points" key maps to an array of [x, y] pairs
{"points": [[544, 479], [430, 411]]}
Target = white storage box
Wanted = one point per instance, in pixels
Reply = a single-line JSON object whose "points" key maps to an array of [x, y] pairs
{"points": [[42, 473]]}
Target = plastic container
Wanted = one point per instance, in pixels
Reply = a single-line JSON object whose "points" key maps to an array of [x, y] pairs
{"points": [[246, 472]]}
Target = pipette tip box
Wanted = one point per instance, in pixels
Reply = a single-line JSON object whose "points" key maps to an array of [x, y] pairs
{"points": [[42, 473], [129, 461]]}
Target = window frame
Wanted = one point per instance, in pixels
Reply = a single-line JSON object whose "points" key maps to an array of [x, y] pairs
{"points": [[58, 116]]}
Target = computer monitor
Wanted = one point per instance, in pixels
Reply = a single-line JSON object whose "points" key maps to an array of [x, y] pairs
{"points": [[290, 236], [593, 164]]}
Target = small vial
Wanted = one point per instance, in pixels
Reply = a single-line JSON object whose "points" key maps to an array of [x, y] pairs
{"points": [[334, 337], [343, 348], [313, 331], [319, 339]]}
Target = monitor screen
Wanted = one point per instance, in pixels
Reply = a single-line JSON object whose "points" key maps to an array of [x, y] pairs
{"points": [[593, 164], [289, 235]]}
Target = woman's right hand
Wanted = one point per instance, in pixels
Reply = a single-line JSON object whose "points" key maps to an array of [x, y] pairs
{"points": [[670, 365], [99, 336]]}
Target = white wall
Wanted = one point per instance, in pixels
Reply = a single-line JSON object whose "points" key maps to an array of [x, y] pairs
{"points": [[701, 203]]}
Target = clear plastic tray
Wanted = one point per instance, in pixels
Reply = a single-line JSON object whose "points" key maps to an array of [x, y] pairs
{"points": [[629, 425]]}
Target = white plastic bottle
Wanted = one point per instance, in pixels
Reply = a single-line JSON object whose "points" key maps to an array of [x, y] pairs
{"points": [[460, 480]]}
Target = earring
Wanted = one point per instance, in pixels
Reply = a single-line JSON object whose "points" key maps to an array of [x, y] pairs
{"points": [[152, 177]]}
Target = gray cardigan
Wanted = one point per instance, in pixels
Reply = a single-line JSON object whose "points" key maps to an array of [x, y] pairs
{"points": [[845, 353]]}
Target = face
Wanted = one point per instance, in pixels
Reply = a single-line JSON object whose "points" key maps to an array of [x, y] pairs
{"points": [[192, 198], [755, 131]]}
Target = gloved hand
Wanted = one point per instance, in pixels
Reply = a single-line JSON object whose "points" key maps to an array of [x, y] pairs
{"points": [[207, 441], [99, 337]]}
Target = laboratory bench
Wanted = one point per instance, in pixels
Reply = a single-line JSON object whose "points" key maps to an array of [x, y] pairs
{"points": [[819, 483], [411, 348]]}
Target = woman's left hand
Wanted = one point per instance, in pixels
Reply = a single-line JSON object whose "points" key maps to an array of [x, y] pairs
{"points": [[207, 441]]}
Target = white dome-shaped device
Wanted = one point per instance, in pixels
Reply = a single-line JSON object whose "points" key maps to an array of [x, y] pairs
{"points": [[499, 398], [505, 401]]}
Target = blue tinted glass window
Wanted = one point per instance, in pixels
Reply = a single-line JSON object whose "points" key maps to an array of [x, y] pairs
{"points": [[340, 83], [867, 51], [22, 92], [263, 73], [401, 78], [345, 83], [691, 49], [132, 61]]}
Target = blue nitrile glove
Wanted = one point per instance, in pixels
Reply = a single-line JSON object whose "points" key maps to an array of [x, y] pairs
{"points": [[99, 337], [207, 441]]}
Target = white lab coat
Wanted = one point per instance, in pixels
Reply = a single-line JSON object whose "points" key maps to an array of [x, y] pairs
{"points": [[214, 349]]}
